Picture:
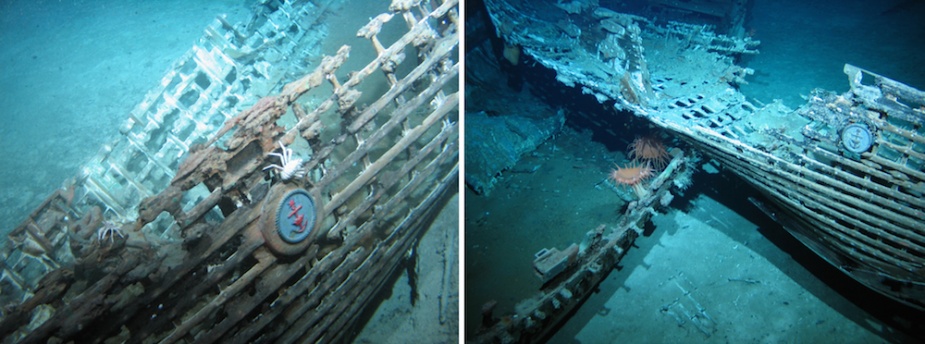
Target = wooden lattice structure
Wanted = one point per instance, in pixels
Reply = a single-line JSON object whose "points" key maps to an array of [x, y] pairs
{"points": [[176, 233], [855, 201]]}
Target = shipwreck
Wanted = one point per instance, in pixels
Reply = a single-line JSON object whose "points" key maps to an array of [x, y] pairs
{"points": [[843, 173], [263, 191]]}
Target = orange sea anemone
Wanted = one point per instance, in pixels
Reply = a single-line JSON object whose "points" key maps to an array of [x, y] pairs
{"points": [[650, 150], [632, 175]]}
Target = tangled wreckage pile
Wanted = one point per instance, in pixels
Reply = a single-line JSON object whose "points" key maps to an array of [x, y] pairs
{"points": [[175, 233], [844, 172]]}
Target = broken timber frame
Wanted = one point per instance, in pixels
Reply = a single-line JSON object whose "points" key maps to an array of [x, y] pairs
{"points": [[535, 319]]}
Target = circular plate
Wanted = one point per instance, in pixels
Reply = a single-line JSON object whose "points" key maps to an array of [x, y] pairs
{"points": [[299, 220], [290, 217], [856, 138]]}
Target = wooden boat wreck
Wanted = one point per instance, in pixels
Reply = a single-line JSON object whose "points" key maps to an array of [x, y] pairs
{"points": [[844, 172], [179, 231]]}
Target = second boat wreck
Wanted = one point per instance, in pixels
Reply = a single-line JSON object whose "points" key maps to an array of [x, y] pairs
{"points": [[844, 172]]}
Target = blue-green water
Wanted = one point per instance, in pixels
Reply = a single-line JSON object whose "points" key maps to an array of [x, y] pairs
{"points": [[805, 44], [70, 73]]}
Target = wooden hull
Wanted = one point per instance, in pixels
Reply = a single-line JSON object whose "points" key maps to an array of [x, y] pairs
{"points": [[844, 171]]}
